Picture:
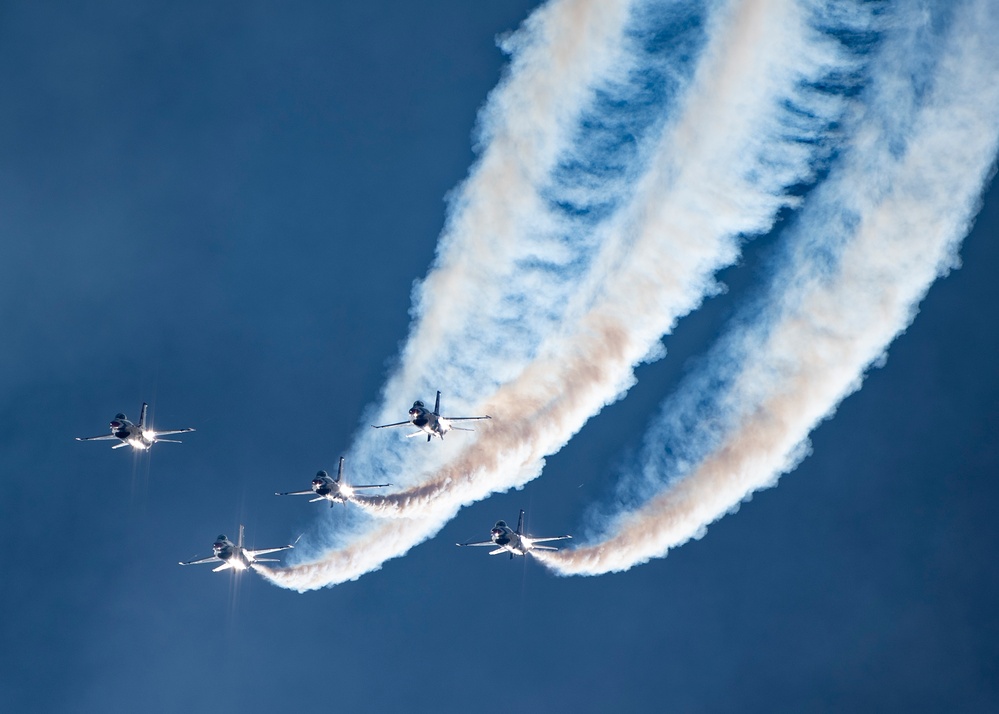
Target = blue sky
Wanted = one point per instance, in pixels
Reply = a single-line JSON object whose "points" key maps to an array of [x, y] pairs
{"points": [[221, 209]]}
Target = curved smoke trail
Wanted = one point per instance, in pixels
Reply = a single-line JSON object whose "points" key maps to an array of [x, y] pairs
{"points": [[754, 118], [868, 244]]}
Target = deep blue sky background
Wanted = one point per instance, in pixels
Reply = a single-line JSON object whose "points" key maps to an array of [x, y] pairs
{"points": [[220, 208]]}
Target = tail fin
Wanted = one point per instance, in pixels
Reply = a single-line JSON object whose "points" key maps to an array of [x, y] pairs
{"points": [[142, 415], [437, 405], [339, 473], [240, 543], [520, 523]]}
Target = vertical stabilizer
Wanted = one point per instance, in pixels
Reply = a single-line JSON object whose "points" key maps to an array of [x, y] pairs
{"points": [[142, 415], [520, 523], [437, 404], [339, 473]]}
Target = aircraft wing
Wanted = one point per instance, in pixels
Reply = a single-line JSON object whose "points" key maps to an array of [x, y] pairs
{"points": [[500, 550], [371, 485], [209, 559], [386, 426], [172, 431], [255, 553], [466, 418], [295, 493], [545, 540], [122, 445], [481, 542], [543, 547], [225, 566], [102, 437]]}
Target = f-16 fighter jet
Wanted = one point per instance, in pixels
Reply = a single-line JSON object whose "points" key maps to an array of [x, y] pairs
{"points": [[512, 541], [234, 555], [138, 436], [429, 422], [329, 489]]}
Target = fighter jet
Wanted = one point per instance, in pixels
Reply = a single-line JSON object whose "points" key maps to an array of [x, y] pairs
{"points": [[138, 436], [430, 423], [234, 555], [512, 541], [330, 489]]}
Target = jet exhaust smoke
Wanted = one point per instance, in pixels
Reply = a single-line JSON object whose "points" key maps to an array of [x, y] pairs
{"points": [[756, 116], [867, 245], [571, 300]]}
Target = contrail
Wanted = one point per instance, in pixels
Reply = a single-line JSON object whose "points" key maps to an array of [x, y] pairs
{"points": [[755, 118], [867, 246]]}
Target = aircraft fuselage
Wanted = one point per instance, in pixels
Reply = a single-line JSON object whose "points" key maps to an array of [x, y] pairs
{"points": [[327, 488], [427, 421], [130, 433]]}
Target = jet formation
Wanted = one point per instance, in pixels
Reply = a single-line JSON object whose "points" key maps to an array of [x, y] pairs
{"points": [[234, 556]]}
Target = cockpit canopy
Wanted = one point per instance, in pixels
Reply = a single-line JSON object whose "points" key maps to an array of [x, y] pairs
{"points": [[499, 524], [121, 417], [221, 539], [320, 475], [418, 405]]}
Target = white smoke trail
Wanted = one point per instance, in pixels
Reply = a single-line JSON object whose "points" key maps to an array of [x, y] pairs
{"points": [[720, 170], [882, 228]]}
